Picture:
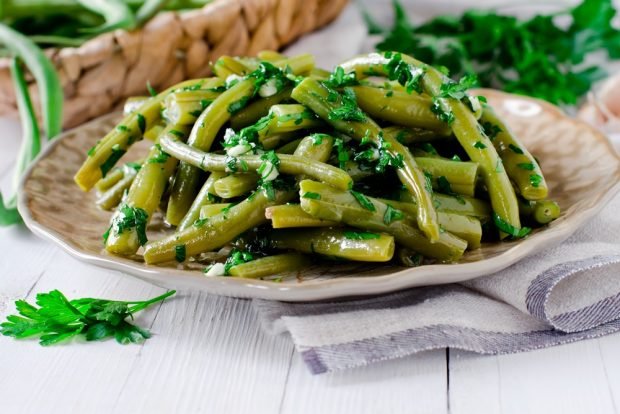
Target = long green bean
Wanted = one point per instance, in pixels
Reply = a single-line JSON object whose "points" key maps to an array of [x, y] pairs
{"points": [[292, 215], [520, 165], [270, 265], [235, 185], [289, 164], [205, 196], [340, 243]]}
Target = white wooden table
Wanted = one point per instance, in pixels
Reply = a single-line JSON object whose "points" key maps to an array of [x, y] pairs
{"points": [[208, 354]]}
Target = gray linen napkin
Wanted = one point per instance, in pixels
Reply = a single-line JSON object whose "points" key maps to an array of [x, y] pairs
{"points": [[563, 294], [560, 295]]}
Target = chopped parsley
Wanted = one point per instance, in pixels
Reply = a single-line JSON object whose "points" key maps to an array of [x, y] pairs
{"points": [[535, 180], [348, 109], [237, 257], [360, 235], [526, 166], [338, 78], [363, 200], [151, 90], [141, 122], [490, 130], [509, 228], [128, 218], [200, 222], [180, 253], [392, 214], [479, 145], [342, 153], [160, 157], [236, 106], [177, 133], [399, 70], [458, 90], [515, 149], [310, 195], [107, 165], [442, 111]]}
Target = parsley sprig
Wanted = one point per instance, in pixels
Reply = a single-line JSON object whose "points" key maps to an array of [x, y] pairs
{"points": [[541, 56], [56, 319]]}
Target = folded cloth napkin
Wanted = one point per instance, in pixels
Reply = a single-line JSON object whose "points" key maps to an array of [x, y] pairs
{"points": [[560, 295]]}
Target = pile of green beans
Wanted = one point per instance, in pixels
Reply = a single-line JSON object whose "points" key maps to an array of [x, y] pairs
{"points": [[285, 165]]}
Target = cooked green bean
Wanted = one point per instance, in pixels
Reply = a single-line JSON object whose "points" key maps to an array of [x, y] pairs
{"points": [[270, 265], [289, 164], [540, 211], [218, 230], [318, 98], [112, 197], [112, 178], [464, 125], [465, 227], [133, 103], [450, 176], [463, 205], [226, 66], [210, 210], [400, 108], [340, 243], [283, 119], [205, 196], [208, 124], [409, 136], [343, 206], [292, 215], [521, 166], [258, 109], [235, 185], [105, 154], [288, 148], [142, 200], [184, 107]]}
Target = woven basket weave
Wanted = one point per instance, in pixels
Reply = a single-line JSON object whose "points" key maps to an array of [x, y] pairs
{"points": [[100, 74]]}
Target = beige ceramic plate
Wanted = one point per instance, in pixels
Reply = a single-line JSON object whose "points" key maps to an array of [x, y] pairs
{"points": [[580, 166]]}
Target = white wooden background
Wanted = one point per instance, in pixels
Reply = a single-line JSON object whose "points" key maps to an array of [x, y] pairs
{"points": [[208, 354]]}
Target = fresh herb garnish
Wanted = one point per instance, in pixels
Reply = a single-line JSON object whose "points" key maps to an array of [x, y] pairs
{"points": [[363, 200], [479, 145], [338, 78], [509, 228], [180, 253], [360, 235], [392, 214], [129, 218], [141, 122], [310, 195], [107, 165], [348, 110], [526, 166], [160, 157], [57, 319], [490, 130], [515, 149], [535, 180], [151, 90], [200, 222], [544, 56], [237, 257]]}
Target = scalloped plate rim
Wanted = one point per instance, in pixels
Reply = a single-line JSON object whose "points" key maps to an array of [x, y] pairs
{"points": [[337, 287]]}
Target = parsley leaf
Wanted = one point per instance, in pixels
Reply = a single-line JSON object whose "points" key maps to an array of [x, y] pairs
{"points": [[508, 228], [360, 235], [313, 196], [363, 200], [57, 319], [392, 214], [237, 257], [107, 165], [180, 253]]}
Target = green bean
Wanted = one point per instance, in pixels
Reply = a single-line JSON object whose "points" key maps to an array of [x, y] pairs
{"points": [[408, 257], [218, 230], [315, 96], [235, 185], [284, 119], [144, 195], [343, 244], [321, 74], [316, 146], [408, 136], [270, 56], [210, 210], [110, 180], [399, 107], [203, 133], [456, 176], [341, 206], [465, 227], [226, 66], [133, 103], [465, 127], [43, 71], [185, 106], [289, 164], [463, 205], [104, 155], [258, 109], [205, 196], [116, 13], [521, 166], [540, 211], [30, 146], [270, 265], [288, 148], [291, 215], [112, 197], [154, 132]]}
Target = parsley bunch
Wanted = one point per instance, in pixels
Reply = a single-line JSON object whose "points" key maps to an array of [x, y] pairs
{"points": [[537, 57], [58, 319]]}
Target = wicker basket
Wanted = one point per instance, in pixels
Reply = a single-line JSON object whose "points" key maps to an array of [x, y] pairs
{"points": [[100, 74]]}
